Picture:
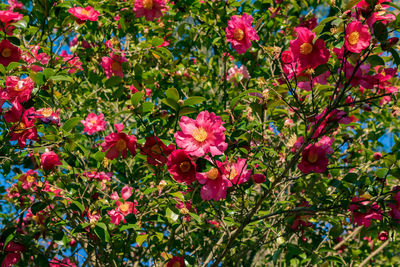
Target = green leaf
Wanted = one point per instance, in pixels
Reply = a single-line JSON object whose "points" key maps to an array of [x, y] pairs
{"points": [[101, 231], [77, 205], [375, 60], [350, 177], [14, 41], [172, 93], [395, 56], [156, 41], [140, 239], [195, 216], [65, 78], [165, 53], [193, 100], [8, 239], [380, 31], [129, 226], [113, 81], [38, 206], [381, 172], [146, 107], [71, 123], [171, 103], [37, 77], [171, 216], [136, 98], [187, 110]]}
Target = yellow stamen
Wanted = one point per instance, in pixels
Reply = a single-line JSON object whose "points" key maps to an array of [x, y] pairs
{"points": [[353, 38], [306, 48], [238, 34], [6, 52], [212, 174], [148, 4], [185, 166], [199, 134], [120, 145]]}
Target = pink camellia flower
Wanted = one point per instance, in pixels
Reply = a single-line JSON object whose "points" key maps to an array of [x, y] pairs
{"points": [[176, 262], [28, 179], [315, 156], [237, 172], [383, 236], [201, 136], [126, 192], [18, 90], [14, 4], [7, 17], [181, 167], [150, 9], [306, 52], [157, 152], [215, 183], [117, 143], [113, 65], [377, 156], [240, 33], [125, 208], [101, 176], [364, 217], [46, 115], [83, 14], [11, 259], [23, 128], [236, 74], [357, 37], [94, 123], [49, 160], [61, 263], [334, 117], [32, 55], [116, 217], [287, 57], [259, 178], [73, 62], [9, 53]]}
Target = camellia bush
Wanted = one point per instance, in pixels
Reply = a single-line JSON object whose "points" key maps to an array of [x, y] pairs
{"points": [[199, 133]]}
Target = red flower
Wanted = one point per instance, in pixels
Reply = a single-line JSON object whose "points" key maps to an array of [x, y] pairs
{"points": [[150, 9], [240, 33], [7, 17], [176, 262], [315, 156], [16, 89], [306, 52], [287, 57], [83, 14], [117, 143], [49, 160], [156, 151], [9, 53], [357, 37], [363, 213], [259, 178], [181, 167], [23, 128], [113, 65], [28, 179], [215, 183]]}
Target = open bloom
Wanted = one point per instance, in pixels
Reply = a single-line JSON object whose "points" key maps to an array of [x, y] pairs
{"points": [[357, 37], [176, 262], [201, 136], [9, 53], [49, 160], [94, 123], [237, 172], [7, 17], [118, 143], [150, 9], [83, 14], [181, 167], [363, 213], [215, 183], [330, 122], [236, 74], [113, 65], [240, 33], [46, 115], [315, 156], [23, 128], [157, 152], [306, 52], [28, 179], [16, 89]]}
